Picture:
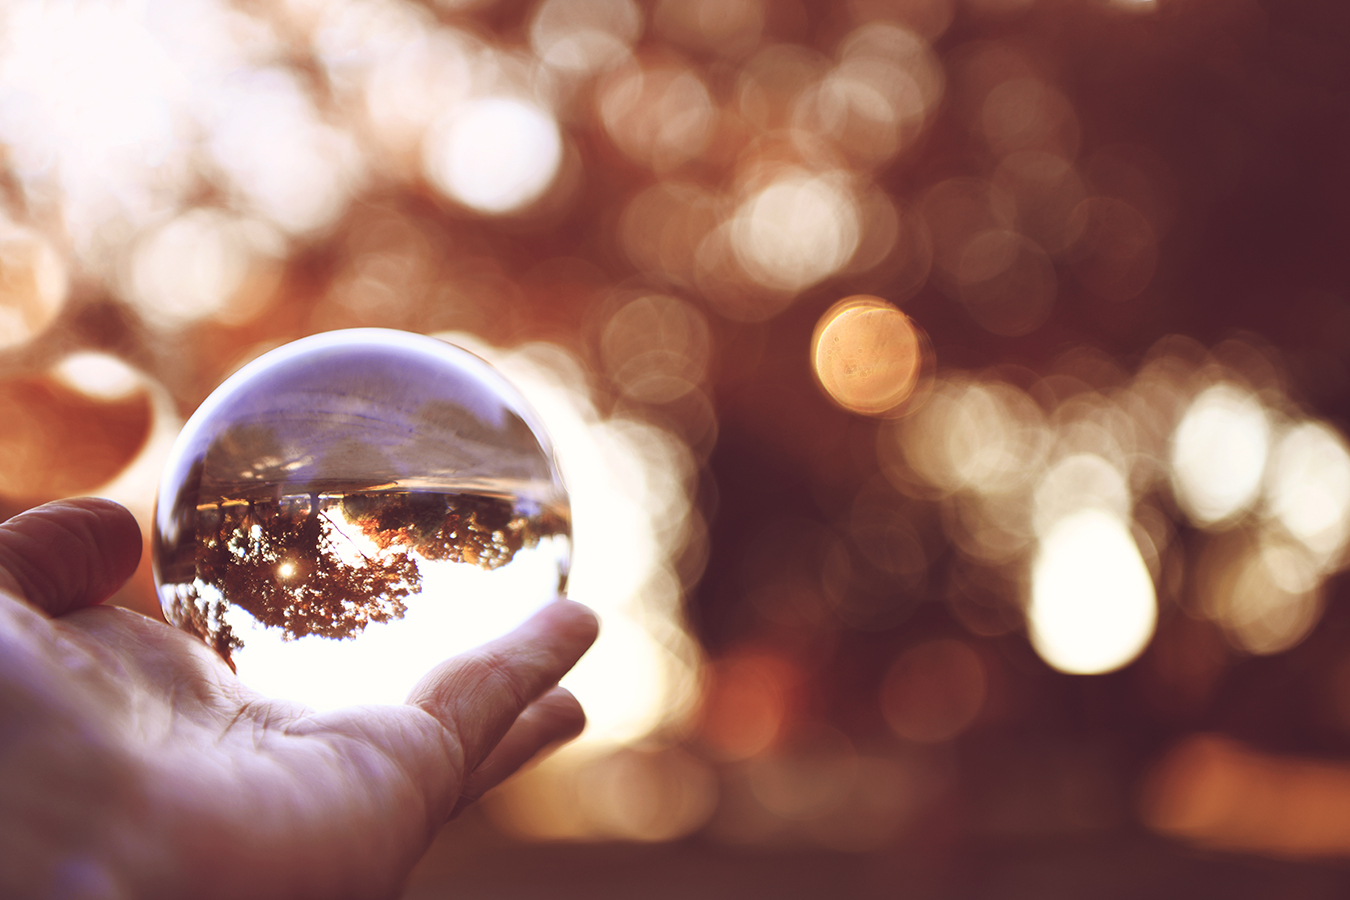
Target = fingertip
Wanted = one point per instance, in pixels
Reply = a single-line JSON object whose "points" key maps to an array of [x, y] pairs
{"points": [[114, 529], [479, 694], [69, 553], [554, 719], [110, 533], [578, 621], [566, 712]]}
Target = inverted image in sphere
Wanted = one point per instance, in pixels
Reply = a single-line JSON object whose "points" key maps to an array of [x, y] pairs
{"points": [[349, 510]]}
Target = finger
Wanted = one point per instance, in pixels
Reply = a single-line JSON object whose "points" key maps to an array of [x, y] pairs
{"points": [[478, 695], [68, 554], [552, 719]]}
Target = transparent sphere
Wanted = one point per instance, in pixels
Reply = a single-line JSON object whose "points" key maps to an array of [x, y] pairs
{"points": [[349, 510]]}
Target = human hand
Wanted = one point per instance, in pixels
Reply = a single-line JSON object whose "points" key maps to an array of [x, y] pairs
{"points": [[133, 764]]}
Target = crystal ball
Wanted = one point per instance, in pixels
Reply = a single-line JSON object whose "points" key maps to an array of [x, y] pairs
{"points": [[349, 510]]}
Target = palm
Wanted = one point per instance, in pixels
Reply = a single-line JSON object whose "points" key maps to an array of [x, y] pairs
{"points": [[150, 766]]}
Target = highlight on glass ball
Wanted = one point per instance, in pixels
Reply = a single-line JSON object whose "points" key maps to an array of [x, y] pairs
{"points": [[349, 510]]}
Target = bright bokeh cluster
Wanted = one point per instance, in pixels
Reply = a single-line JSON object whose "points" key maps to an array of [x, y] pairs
{"points": [[1077, 488]]}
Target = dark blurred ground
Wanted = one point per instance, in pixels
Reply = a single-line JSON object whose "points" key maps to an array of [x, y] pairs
{"points": [[1116, 867]]}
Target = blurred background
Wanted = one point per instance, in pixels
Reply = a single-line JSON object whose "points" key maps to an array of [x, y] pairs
{"points": [[952, 395]]}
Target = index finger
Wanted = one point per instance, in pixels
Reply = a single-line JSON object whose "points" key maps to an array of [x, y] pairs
{"points": [[479, 694]]}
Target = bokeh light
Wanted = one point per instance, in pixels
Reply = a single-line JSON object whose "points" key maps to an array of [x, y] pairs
{"points": [[747, 703], [727, 27], [1092, 607], [874, 103], [1309, 488], [33, 284], [656, 348], [771, 81], [1219, 453], [1270, 598], [584, 36], [659, 116], [279, 154], [868, 355], [797, 230], [495, 155], [194, 267], [98, 375], [1217, 793]]}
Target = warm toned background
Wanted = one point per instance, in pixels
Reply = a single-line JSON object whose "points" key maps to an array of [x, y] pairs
{"points": [[1031, 591]]}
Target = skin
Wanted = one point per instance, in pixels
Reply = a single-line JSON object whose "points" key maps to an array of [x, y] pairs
{"points": [[133, 764]]}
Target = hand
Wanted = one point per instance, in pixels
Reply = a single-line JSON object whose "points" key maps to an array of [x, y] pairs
{"points": [[133, 764]]}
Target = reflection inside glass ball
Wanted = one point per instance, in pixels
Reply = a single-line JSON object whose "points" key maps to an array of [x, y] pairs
{"points": [[349, 510]]}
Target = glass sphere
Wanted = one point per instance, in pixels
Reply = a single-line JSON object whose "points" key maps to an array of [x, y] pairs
{"points": [[349, 510]]}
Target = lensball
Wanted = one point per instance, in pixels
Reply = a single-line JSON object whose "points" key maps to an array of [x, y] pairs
{"points": [[348, 510]]}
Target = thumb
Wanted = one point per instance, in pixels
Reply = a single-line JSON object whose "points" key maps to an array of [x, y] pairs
{"points": [[68, 554]]}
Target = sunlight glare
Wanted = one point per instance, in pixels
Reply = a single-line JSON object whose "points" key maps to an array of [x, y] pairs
{"points": [[88, 98]]}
